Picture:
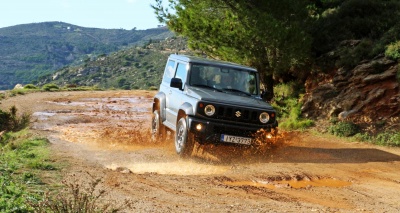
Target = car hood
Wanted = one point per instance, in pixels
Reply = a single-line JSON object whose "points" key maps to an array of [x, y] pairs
{"points": [[229, 98]]}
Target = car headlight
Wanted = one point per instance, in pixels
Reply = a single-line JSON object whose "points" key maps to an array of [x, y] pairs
{"points": [[264, 117], [209, 110]]}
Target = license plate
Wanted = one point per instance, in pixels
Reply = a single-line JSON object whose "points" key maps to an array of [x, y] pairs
{"points": [[235, 139]]}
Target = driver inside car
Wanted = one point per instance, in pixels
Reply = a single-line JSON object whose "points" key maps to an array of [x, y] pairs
{"points": [[226, 82]]}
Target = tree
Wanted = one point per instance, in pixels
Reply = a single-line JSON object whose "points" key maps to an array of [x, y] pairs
{"points": [[338, 20], [268, 35], [121, 81]]}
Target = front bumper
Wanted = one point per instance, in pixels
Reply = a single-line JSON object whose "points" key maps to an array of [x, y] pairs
{"points": [[210, 131]]}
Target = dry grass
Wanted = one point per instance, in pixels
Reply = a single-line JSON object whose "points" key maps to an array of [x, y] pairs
{"points": [[79, 197]]}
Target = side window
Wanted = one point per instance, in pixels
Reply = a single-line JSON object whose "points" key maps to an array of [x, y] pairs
{"points": [[181, 73], [169, 71], [252, 84]]}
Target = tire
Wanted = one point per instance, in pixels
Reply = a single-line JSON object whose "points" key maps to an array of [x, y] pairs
{"points": [[158, 130], [184, 140]]}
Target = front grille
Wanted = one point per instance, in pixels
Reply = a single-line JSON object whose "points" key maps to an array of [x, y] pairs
{"points": [[235, 113]]}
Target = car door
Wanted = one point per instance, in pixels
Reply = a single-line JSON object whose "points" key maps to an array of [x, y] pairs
{"points": [[169, 73], [176, 95]]}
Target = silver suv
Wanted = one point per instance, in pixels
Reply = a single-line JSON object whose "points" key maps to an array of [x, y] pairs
{"points": [[208, 101]]}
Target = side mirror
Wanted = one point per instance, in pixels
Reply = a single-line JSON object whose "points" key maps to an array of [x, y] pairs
{"points": [[176, 83]]}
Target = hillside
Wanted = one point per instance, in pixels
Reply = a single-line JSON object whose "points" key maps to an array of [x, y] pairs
{"points": [[131, 68], [31, 50]]}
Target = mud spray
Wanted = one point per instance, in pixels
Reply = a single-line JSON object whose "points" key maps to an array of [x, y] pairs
{"points": [[123, 124], [205, 159]]}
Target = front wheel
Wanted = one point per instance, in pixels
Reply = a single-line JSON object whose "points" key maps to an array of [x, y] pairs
{"points": [[184, 140]]}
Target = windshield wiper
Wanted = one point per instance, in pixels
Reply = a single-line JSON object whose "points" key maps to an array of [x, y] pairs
{"points": [[206, 86], [236, 90]]}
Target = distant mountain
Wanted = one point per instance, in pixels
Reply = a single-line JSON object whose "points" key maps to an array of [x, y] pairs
{"points": [[29, 51], [131, 68]]}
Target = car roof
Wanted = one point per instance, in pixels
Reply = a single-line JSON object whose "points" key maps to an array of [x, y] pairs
{"points": [[194, 59]]}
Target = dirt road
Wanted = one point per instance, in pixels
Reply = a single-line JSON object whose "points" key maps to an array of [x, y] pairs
{"points": [[105, 135]]}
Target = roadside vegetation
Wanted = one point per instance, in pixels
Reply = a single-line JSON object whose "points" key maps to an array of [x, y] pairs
{"points": [[50, 87], [22, 158], [287, 102], [10, 121], [386, 137], [25, 158]]}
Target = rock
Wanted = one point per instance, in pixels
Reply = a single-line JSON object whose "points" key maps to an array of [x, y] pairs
{"points": [[362, 95], [343, 115], [334, 112], [123, 170], [350, 42], [55, 76], [390, 73], [1, 134], [371, 66], [18, 86]]}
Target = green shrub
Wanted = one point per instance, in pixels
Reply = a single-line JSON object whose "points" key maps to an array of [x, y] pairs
{"points": [[289, 113], [50, 87], [153, 88], [30, 86], [16, 92], [288, 107], [12, 194], [383, 138], [388, 139], [126, 87], [9, 121], [83, 88], [363, 137], [393, 50], [296, 124], [350, 57], [291, 89], [344, 129]]}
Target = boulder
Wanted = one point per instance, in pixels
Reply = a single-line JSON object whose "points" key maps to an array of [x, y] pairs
{"points": [[18, 86]]}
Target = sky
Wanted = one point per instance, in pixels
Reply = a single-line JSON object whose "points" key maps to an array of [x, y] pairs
{"points": [[106, 14]]}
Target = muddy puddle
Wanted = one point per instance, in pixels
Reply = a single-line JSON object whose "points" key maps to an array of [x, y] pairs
{"points": [[137, 106], [43, 115], [295, 184], [113, 104], [182, 168]]}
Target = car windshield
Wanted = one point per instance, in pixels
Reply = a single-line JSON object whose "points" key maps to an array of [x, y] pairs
{"points": [[224, 78]]}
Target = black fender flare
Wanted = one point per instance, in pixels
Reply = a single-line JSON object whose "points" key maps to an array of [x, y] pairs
{"points": [[185, 109], [159, 102]]}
